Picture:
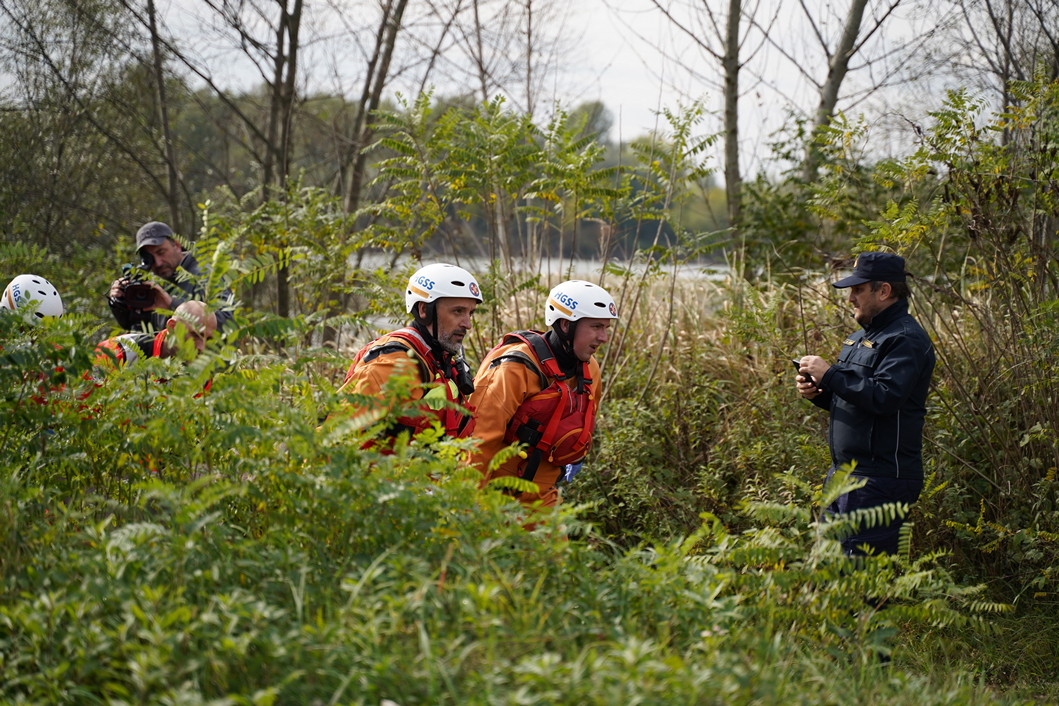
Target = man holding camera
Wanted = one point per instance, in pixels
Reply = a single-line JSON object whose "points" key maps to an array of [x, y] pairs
{"points": [[135, 302], [876, 394]]}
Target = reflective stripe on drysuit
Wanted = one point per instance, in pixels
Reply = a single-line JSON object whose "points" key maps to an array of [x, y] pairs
{"points": [[504, 384], [389, 355], [130, 347]]}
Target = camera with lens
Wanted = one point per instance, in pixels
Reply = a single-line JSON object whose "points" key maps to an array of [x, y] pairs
{"points": [[136, 292], [132, 303]]}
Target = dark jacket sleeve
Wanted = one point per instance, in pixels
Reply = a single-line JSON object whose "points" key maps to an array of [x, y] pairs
{"points": [[884, 389], [823, 400], [121, 314], [223, 304]]}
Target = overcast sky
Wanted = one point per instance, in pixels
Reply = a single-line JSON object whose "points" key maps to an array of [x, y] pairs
{"points": [[628, 55]]}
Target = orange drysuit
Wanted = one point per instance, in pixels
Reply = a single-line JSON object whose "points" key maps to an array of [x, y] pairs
{"points": [[499, 390]]}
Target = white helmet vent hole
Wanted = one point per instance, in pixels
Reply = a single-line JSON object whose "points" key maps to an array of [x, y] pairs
{"points": [[458, 284]]}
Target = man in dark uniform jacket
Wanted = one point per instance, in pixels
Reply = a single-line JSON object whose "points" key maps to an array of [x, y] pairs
{"points": [[164, 255], [876, 393]]}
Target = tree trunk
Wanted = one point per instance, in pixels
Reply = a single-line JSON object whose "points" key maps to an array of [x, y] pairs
{"points": [[733, 180], [374, 83], [274, 107], [364, 119], [479, 59], [836, 73], [362, 106], [288, 97], [529, 58], [291, 23], [167, 134]]}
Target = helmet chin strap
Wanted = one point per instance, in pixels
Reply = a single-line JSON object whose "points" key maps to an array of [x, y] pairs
{"points": [[428, 327], [567, 338]]}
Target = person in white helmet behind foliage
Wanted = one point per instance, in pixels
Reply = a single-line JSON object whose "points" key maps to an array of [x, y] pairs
{"points": [[541, 389], [441, 299], [34, 296]]}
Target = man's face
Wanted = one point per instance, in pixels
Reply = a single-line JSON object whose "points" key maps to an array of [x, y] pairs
{"points": [[454, 321], [589, 335], [167, 256], [198, 332], [866, 303]]}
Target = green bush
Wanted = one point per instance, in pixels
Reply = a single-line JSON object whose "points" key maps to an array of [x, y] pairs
{"points": [[167, 546]]}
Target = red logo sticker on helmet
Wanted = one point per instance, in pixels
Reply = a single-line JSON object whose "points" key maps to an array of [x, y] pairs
{"points": [[613, 310], [474, 289]]}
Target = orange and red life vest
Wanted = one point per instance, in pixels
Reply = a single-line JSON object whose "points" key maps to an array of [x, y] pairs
{"points": [[130, 347], [444, 372], [557, 422]]}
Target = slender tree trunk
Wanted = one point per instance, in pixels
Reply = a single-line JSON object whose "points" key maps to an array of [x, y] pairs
{"points": [[288, 96], [529, 58], [167, 134], [836, 73], [374, 83], [480, 56], [733, 180], [363, 136], [275, 106], [291, 23], [272, 169], [362, 106]]}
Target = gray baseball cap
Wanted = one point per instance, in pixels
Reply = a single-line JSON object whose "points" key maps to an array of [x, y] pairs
{"points": [[153, 233]]}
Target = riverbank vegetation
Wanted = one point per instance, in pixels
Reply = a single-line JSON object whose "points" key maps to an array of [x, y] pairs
{"points": [[166, 546]]}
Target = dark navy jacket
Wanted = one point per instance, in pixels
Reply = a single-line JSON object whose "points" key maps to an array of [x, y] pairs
{"points": [[877, 393]]}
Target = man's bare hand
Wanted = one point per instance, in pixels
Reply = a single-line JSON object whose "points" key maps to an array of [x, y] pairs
{"points": [[162, 300], [115, 288], [811, 368]]}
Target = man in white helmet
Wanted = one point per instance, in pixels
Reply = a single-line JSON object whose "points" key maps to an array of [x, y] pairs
{"points": [[34, 296], [441, 299], [541, 390]]}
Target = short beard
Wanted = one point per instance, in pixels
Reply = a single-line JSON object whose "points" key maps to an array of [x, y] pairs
{"points": [[449, 345]]}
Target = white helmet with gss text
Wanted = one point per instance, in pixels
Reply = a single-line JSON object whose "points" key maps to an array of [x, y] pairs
{"points": [[577, 299], [433, 282], [27, 289]]}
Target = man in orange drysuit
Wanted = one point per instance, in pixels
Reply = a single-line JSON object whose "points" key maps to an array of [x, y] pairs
{"points": [[541, 390], [441, 299], [190, 321]]}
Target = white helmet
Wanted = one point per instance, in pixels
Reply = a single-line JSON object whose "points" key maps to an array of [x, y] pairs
{"points": [[436, 281], [31, 288], [577, 299]]}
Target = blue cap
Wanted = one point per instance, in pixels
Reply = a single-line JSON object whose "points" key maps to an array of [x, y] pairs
{"points": [[874, 267]]}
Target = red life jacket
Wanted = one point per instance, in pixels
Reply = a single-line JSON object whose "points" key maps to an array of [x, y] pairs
{"points": [[130, 347], [430, 370], [557, 422]]}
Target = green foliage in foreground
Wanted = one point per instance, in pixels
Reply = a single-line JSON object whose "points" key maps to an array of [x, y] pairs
{"points": [[161, 546]]}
